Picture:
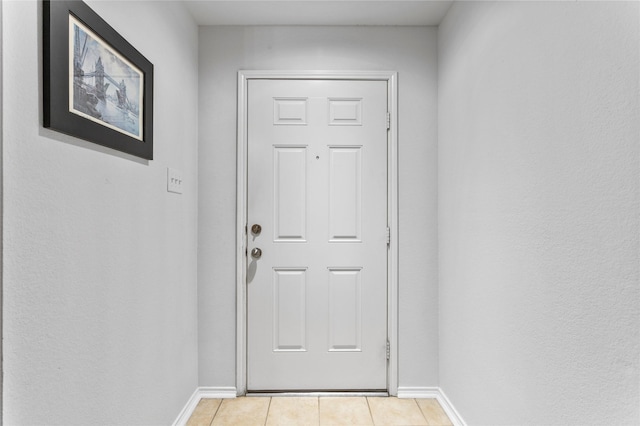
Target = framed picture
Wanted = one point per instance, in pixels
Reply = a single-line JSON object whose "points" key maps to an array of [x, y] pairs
{"points": [[97, 86]]}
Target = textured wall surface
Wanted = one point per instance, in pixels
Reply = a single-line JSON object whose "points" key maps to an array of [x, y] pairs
{"points": [[410, 51], [99, 260], [1, 199], [538, 212]]}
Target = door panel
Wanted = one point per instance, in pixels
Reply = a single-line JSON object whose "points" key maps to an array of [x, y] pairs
{"points": [[290, 193], [317, 185], [345, 194], [345, 314], [289, 309]]}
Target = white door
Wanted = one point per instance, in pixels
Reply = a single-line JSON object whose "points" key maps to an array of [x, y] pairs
{"points": [[317, 187]]}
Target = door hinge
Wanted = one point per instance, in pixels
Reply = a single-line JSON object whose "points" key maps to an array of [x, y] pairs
{"points": [[388, 236], [388, 120], [388, 350]]}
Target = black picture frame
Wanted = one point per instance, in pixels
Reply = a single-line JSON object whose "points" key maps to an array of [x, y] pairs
{"points": [[108, 101]]}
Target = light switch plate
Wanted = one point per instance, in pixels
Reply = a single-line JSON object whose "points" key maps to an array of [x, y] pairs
{"points": [[174, 181]]}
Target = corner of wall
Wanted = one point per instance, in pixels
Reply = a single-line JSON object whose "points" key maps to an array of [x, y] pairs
{"points": [[202, 393], [437, 394], [1, 212]]}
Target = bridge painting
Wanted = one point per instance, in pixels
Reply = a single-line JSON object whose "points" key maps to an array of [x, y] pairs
{"points": [[106, 88]]}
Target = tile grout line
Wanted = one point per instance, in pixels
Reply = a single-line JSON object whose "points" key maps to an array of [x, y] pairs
{"points": [[268, 409], [216, 412], [421, 412], [373, 422], [319, 421]]}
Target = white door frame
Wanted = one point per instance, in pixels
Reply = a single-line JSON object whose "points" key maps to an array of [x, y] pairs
{"points": [[392, 205]]}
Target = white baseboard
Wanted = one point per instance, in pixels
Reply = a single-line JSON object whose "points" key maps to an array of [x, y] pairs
{"points": [[451, 411], [418, 392], [217, 392], [187, 410], [202, 393], [437, 393]]}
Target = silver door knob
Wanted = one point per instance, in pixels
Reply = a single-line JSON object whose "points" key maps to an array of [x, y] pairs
{"points": [[256, 253], [256, 229]]}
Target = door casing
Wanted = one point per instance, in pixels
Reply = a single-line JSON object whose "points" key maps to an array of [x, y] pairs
{"points": [[391, 78]]}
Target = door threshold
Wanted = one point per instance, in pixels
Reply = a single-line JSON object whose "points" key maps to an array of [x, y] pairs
{"points": [[318, 394]]}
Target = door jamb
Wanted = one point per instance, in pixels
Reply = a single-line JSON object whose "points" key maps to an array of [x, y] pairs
{"points": [[391, 78]]}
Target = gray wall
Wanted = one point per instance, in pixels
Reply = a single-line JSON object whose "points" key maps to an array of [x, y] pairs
{"points": [[538, 212], [409, 50], [1, 199], [99, 260]]}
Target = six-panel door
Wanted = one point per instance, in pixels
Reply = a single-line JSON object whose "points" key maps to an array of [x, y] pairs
{"points": [[317, 186]]}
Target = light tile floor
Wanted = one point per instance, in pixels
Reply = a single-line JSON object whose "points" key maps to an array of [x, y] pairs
{"points": [[303, 411]]}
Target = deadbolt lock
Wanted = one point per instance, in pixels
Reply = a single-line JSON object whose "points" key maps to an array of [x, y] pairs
{"points": [[256, 229]]}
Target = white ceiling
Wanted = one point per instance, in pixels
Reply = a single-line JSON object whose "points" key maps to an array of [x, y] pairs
{"points": [[318, 12]]}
